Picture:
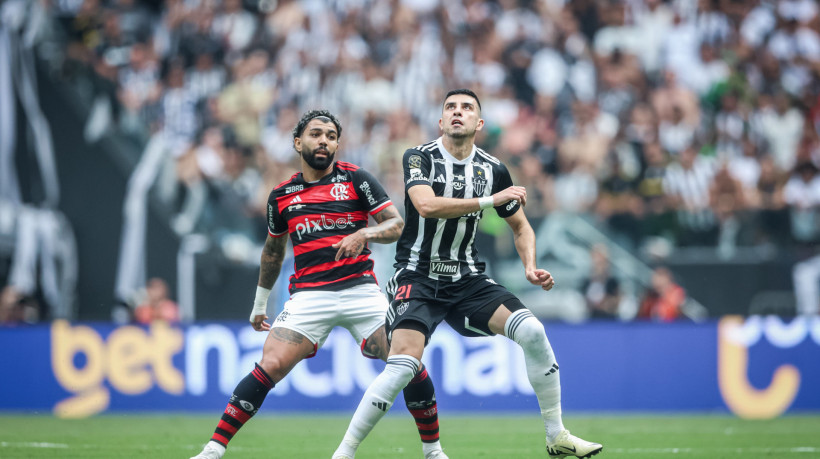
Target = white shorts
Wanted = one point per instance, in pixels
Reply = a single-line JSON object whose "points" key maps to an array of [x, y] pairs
{"points": [[360, 309]]}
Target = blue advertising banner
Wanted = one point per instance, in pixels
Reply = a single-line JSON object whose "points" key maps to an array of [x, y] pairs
{"points": [[758, 367]]}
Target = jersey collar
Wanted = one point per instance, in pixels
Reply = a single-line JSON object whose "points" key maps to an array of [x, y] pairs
{"points": [[452, 158], [300, 178]]}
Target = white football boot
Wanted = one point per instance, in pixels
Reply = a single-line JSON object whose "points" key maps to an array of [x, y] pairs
{"points": [[566, 445], [212, 450]]}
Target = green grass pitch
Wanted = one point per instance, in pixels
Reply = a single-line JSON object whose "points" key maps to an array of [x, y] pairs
{"points": [[479, 436]]}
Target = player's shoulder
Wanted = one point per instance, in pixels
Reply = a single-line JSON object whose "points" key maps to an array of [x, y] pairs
{"points": [[482, 155], [426, 147], [289, 186], [424, 153], [346, 166]]}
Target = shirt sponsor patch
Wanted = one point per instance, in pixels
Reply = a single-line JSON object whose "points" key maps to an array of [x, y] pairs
{"points": [[415, 174], [445, 268], [414, 162]]}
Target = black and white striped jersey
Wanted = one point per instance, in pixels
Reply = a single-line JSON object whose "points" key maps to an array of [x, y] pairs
{"points": [[444, 249]]}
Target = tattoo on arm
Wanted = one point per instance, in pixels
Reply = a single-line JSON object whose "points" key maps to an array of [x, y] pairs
{"points": [[288, 336], [389, 227], [273, 254]]}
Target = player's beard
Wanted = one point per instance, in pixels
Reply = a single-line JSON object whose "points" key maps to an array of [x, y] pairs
{"points": [[317, 163]]}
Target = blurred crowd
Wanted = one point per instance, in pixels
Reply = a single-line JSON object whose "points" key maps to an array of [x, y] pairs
{"points": [[665, 123], [693, 121]]}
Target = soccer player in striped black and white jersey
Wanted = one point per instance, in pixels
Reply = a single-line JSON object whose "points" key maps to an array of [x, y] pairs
{"points": [[449, 183], [324, 210]]}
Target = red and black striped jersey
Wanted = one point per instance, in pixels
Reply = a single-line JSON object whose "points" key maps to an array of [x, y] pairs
{"points": [[320, 214]]}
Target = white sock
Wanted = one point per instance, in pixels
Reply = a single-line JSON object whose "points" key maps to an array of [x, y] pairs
{"points": [[378, 398], [542, 369]]}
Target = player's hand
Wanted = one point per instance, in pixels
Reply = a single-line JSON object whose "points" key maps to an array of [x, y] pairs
{"points": [[542, 278], [258, 322], [518, 193], [350, 246]]}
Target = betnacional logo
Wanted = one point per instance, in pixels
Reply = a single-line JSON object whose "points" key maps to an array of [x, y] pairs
{"points": [[368, 193], [131, 361]]}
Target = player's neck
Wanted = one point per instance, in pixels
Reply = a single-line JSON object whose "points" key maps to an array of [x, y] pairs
{"points": [[460, 148], [313, 175]]}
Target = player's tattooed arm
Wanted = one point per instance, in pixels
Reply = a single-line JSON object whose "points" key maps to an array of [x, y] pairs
{"points": [[388, 229], [273, 254]]}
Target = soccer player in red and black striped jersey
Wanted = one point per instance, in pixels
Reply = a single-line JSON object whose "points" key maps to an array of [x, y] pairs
{"points": [[324, 210]]}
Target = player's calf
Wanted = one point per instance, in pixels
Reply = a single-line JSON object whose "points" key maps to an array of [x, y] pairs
{"points": [[244, 403], [420, 398]]}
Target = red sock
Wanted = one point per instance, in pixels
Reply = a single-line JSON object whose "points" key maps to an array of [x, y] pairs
{"points": [[420, 397], [245, 402]]}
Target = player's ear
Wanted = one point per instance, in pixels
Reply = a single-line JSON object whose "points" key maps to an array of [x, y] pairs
{"points": [[297, 144], [480, 124], [440, 124]]}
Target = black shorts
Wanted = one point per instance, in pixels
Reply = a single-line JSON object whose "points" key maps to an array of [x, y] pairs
{"points": [[420, 303]]}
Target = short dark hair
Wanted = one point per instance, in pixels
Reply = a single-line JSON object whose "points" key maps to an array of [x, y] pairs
{"points": [[321, 115], [466, 92]]}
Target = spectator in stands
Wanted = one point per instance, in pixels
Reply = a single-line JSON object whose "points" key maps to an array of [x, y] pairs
{"points": [[16, 308], [686, 184], [601, 289], [802, 194], [156, 306], [662, 302], [656, 215]]}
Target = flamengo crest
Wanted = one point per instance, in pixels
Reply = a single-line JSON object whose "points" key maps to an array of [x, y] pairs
{"points": [[339, 192]]}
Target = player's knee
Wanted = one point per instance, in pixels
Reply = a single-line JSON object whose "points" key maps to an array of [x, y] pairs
{"points": [[274, 367], [528, 332], [401, 369]]}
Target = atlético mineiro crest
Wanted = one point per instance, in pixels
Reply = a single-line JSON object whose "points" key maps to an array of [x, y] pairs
{"points": [[479, 182], [339, 192], [478, 186]]}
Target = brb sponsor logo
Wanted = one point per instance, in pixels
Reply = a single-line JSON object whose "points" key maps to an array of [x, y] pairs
{"points": [[324, 223]]}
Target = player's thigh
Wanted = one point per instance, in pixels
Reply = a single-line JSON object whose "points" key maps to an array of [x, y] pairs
{"points": [[477, 312], [376, 346], [362, 310], [312, 314], [413, 305], [283, 349]]}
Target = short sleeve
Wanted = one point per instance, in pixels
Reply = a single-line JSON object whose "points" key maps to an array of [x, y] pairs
{"points": [[370, 191], [277, 226], [502, 182], [417, 166]]}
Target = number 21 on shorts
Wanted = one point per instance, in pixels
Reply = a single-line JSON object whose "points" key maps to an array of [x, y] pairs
{"points": [[403, 292]]}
